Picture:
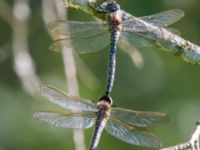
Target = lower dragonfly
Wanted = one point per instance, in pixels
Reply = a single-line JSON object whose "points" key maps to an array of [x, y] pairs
{"points": [[125, 30], [125, 124]]}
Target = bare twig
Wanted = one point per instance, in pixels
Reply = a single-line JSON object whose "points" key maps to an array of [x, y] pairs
{"points": [[68, 58], [23, 63], [70, 71], [192, 144]]}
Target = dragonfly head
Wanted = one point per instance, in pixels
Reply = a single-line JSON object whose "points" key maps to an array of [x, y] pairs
{"points": [[112, 6], [106, 98]]}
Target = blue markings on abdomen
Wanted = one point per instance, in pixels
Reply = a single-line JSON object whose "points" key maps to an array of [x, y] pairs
{"points": [[99, 126], [112, 61]]}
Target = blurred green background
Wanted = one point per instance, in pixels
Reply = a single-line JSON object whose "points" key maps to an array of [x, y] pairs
{"points": [[165, 83]]}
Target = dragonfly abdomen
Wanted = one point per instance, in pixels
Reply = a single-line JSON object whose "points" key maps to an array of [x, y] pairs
{"points": [[100, 124], [112, 61]]}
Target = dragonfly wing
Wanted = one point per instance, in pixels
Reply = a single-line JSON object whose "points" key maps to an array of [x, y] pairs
{"points": [[136, 40], [131, 135], [66, 120], [84, 36], [174, 31], [165, 18], [140, 35], [139, 118], [65, 100], [133, 52]]}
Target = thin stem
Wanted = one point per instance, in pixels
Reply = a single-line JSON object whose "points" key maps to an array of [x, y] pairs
{"points": [[23, 62], [192, 144], [59, 11]]}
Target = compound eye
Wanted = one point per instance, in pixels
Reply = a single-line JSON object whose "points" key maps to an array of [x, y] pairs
{"points": [[117, 6], [109, 7]]}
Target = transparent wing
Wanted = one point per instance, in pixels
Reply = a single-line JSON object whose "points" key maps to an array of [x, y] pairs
{"points": [[131, 135], [139, 118], [136, 40], [134, 31], [174, 31], [66, 120], [84, 36], [165, 18], [65, 100], [133, 52], [140, 35]]}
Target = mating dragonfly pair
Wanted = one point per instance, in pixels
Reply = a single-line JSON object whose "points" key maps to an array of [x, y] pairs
{"points": [[91, 36]]}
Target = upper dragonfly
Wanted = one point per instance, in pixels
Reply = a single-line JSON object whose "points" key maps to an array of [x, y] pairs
{"points": [[125, 29], [127, 125]]}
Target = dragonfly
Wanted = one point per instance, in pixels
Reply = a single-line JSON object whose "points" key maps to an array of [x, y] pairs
{"points": [[125, 30], [124, 124]]}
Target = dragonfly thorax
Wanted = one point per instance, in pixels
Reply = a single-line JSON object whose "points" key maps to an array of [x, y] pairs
{"points": [[104, 108], [115, 18]]}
